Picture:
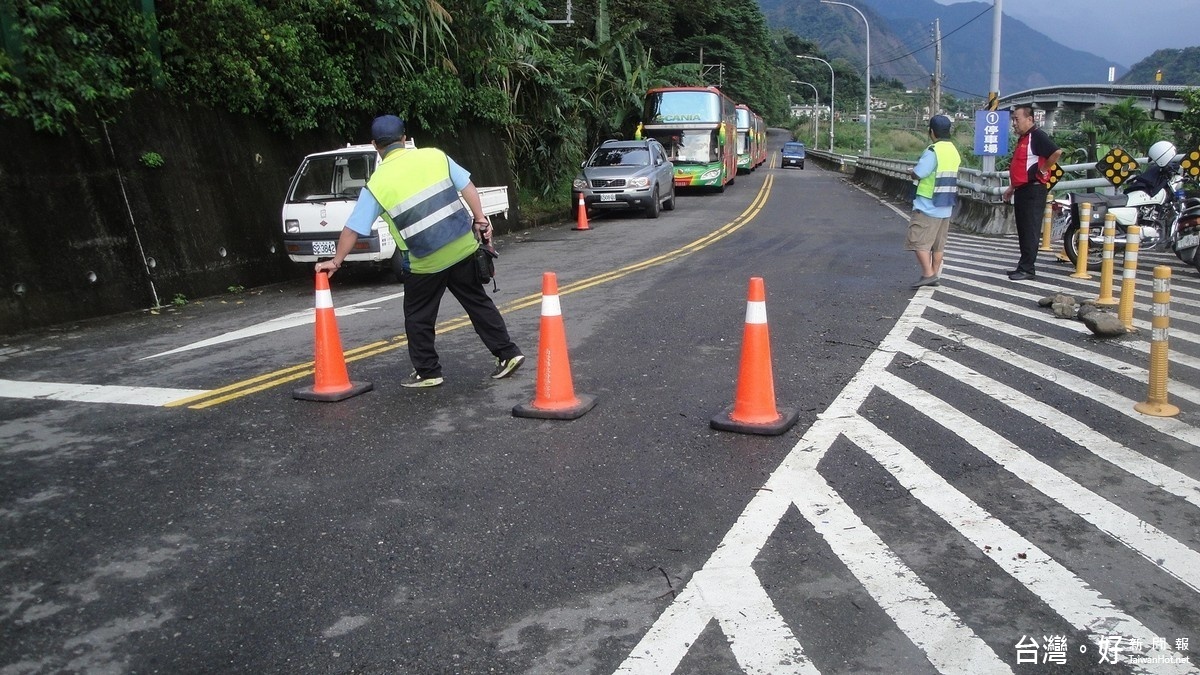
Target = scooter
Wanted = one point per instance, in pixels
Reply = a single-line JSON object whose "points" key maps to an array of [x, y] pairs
{"points": [[1152, 200]]}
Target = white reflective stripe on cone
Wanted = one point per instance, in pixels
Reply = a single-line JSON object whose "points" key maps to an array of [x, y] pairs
{"points": [[756, 312], [550, 306], [324, 300]]}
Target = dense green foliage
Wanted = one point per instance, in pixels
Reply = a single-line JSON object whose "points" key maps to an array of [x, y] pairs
{"points": [[554, 89], [1187, 127], [331, 64], [67, 57]]}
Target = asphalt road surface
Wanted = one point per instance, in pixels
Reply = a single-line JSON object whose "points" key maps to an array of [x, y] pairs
{"points": [[967, 489]]}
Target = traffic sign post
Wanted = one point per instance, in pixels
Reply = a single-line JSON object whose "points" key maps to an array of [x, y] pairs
{"points": [[991, 133]]}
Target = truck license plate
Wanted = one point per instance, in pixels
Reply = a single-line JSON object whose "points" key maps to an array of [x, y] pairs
{"points": [[608, 198], [324, 247]]}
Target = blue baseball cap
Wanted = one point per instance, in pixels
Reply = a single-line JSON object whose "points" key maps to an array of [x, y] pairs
{"points": [[387, 129], [940, 126]]}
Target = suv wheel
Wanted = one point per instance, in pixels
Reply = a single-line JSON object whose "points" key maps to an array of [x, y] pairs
{"points": [[669, 205], [652, 210]]}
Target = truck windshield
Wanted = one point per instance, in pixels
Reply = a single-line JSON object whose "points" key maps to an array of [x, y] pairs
{"points": [[328, 177]]}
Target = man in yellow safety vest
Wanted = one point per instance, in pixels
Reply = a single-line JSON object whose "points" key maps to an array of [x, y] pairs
{"points": [[416, 191], [936, 176]]}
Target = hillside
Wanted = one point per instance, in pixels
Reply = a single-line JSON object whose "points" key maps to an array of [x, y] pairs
{"points": [[1179, 66], [1028, 58], [839, 32]]}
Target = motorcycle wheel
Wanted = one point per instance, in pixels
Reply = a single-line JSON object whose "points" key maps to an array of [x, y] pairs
{"points": [[1095, 247]]}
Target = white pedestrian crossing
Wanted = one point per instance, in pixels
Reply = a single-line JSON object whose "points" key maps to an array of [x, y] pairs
{"points": [[993, 338]]}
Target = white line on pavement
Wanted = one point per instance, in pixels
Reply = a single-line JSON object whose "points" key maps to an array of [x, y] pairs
{"points": [[279, 323], [94, 393]]}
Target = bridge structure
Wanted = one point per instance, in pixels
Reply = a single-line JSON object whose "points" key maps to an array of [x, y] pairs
{"points": [[1165, 101]]}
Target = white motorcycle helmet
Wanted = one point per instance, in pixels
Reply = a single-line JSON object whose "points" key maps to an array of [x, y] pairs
{"points": [[1162, 152]]}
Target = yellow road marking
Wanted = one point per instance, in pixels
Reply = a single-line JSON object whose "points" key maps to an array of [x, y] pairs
{"points": [[296, 372]]}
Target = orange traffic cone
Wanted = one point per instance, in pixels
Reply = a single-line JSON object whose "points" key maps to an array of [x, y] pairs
{"points": [[555, 398], [332, 382], [753, 410], [581, 222]]}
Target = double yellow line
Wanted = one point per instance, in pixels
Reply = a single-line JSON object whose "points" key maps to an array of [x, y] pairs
{"points": [[292, 373]]}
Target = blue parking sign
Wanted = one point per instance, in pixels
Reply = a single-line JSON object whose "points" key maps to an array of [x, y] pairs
{"points": [[991, 133]]}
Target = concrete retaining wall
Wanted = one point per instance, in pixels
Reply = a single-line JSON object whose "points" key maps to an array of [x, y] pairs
{"points": [[81, 215]]}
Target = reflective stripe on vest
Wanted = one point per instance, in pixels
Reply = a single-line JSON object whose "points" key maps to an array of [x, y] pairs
{"points": [[941, 186], [419, 200]]}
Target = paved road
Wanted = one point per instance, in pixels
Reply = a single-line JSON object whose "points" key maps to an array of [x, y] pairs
{"points": [[967, 488]]}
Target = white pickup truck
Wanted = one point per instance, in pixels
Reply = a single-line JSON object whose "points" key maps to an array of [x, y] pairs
{"points": [[322, 195]]}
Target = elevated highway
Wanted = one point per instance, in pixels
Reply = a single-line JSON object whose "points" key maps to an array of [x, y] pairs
{"points": [[1164, 101]]}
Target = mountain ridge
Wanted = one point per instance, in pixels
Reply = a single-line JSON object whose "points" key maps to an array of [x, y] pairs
{"points": [[902, 36]]}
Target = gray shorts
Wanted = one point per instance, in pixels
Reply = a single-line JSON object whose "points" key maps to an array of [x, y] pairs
{"points": [[926, 233]]}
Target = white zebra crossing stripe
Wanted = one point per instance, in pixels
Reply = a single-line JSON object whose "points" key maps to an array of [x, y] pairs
{"points": [[1065, 592], [1116, 366], [1118, 404], [1136, 464], [1045, 317], [947, 641], [929, 623], [1148, 541]]}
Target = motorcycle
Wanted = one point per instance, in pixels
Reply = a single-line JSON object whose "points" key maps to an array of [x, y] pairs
{"points": [[1186, 242], [1152, 200]]}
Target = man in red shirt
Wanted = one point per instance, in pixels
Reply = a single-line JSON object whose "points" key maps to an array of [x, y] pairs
{"points": [[1033, 158]]}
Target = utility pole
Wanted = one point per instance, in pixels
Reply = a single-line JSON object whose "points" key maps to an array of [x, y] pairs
{"points": [[935, 88], [989, 162]]}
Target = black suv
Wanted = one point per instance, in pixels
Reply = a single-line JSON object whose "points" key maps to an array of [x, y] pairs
{"points": [[628, 175]]}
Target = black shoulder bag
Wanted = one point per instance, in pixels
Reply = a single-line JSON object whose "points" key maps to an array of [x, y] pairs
{"points": [[485, 265]]}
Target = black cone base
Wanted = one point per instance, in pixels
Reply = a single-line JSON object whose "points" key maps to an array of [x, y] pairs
{"points": [[585, 404], [724, 422], [309, 393]]}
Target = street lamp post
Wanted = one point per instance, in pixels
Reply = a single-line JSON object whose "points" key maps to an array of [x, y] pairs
{"points": [[832, 97], [868, 25], [816, 111]]}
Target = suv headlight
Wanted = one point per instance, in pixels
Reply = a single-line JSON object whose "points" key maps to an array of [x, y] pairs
{"points": [[579, 184], [291, 226], [640, 182]]}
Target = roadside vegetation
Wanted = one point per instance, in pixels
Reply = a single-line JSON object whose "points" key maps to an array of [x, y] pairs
{"points": [[554, 89]]}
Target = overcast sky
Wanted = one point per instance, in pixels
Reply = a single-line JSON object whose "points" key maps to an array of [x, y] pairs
{"points": [[1124, 31]]}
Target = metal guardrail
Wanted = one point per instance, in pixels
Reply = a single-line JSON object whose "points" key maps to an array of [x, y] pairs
{"points": [[843, 160], [983, 186]]}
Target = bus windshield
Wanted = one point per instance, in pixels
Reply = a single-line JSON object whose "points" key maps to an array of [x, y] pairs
{"points": [[689, 146], [667, 107]]}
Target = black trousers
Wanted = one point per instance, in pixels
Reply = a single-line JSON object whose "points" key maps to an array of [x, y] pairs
{"points": [[1029, 206], [422, 299]]}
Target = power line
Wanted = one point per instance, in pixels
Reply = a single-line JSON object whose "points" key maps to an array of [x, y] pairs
{"points": [[968, 93], [921, 49]]}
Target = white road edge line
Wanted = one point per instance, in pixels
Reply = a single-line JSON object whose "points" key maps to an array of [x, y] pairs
{"points": [[94, 393]]}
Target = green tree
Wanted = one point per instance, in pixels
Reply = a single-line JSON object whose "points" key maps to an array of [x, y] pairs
{"points": [[76, 58], [1187, 127]]}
